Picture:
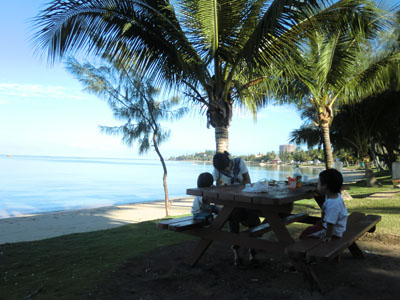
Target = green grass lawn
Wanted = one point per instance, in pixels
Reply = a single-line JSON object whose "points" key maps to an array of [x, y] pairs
{"points": [[363, 201], [70, 267]]}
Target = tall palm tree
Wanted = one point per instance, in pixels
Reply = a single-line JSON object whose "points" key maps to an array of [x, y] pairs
{"points": [[216, 52], [339, 67], [132, 101]]}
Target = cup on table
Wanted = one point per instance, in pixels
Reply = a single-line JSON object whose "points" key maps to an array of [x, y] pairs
{"points": [[291, 183]]}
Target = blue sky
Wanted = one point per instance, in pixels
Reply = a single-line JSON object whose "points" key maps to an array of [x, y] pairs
{"points": [[43, 110]]}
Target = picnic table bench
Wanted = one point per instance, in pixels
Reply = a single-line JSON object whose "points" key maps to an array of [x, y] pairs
{"points": [[310, 250], [189, 222], [181, 224]]}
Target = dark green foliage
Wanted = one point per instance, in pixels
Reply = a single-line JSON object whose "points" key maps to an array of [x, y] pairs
{"points": [[370, 127]]}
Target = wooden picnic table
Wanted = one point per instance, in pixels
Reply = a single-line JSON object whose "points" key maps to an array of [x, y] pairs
{"points": [[274, 204]]}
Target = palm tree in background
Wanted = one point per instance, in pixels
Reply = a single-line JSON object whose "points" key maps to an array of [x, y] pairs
{"points": [[132, 101], [215, 52], [339, 67]]}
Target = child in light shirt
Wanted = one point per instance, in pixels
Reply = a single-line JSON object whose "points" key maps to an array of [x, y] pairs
{"points": [[201, 210], [334, 212]]}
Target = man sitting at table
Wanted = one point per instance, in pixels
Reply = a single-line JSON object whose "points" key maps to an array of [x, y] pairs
{"points": [[226, 172]]}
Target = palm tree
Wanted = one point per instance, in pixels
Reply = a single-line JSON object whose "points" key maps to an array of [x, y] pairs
{"points": [[371, 127], [339, 67], [132, 101], [216, 52]]}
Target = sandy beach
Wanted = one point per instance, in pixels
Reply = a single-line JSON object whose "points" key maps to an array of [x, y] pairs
{"points": [[53, 224], [48, 225]]}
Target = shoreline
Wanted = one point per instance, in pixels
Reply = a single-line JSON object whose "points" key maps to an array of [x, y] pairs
{"points": [[53, 224], [33, 227], [33, 214]]}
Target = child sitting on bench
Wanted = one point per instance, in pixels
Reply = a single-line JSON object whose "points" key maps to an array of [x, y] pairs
{"points": [[334, 213], [201, 210]]}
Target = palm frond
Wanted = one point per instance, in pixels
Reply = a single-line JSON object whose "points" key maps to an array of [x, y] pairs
{"points": [[306, 135], [381, 74], [145, 34]]}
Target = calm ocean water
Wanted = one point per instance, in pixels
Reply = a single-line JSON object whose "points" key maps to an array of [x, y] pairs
{"points": [[37, 184]]}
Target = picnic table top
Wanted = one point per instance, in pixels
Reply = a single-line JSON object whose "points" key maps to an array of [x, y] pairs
{"points": [[276, 195]]}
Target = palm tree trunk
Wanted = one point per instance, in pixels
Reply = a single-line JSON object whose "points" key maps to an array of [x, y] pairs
{"points": [[222, 138], [164, 175], [327, 145]]}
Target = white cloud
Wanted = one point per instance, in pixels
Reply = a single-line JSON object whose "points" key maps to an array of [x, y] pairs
{"points": [[37, 91]]}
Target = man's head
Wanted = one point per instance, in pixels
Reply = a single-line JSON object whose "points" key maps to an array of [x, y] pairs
{"points": [[331, 180], [205, 180], [221, 161]]}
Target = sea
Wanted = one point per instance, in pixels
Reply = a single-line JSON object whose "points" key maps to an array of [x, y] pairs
{"points": [[40, 184]]}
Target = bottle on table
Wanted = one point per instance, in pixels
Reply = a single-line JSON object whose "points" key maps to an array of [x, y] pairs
{"points": [[298, 176]]}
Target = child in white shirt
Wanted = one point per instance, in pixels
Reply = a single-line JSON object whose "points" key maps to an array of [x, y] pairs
{"points": [[201, 210], [334, 213]]}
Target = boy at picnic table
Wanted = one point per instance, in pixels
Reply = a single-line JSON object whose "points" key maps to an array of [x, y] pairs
{"points": [[201, 210], [229, 171], [333, 211]]}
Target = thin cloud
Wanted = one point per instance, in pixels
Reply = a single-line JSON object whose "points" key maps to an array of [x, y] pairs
{"points": [[36, 91]]}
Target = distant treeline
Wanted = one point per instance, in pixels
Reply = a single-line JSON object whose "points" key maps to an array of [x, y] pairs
{"points": [[299, 155], [200, 156]]}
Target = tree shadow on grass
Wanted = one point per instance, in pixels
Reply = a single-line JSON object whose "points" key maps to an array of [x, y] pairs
{"points": [[378, 194], [359, 196], [161, 274], [378, 210]]}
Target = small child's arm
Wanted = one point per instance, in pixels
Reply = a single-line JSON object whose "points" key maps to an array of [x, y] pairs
{"points": [[246, 178], [328, 233]]}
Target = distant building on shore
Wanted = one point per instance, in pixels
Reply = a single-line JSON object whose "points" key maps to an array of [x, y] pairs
{"points": [[286, 148], [276, 160]]}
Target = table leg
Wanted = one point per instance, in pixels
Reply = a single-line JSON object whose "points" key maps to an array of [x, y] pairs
{"points": [[203, 244], [356, 251], [278, 226], [308, 274]]}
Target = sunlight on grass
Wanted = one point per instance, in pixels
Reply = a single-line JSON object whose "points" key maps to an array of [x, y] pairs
{"points": [[364, 201]]}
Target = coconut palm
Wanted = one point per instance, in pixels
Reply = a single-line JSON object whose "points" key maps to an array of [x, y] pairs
{"points": [[132, 101], [371, 127], [340, 67], [216, 52]]}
